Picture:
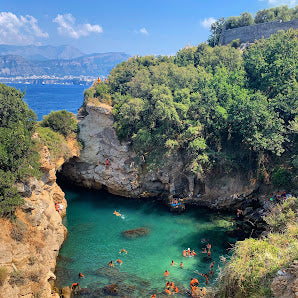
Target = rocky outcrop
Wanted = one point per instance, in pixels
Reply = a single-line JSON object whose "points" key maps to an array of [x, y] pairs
{"points": [[30, 244], [127, 174], [285, 283]]}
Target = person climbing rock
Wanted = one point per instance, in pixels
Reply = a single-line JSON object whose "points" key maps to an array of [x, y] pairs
{"points": [[74, 287]]}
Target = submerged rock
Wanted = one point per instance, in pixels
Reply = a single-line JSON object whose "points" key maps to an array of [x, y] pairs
{"points": [[111, 290], [134, 233]]}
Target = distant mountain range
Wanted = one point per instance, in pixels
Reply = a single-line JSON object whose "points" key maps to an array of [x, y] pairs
{"points": [[56, 61]]}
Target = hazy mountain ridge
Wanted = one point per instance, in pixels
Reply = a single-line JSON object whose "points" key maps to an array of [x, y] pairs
{"points": [[97, 64]]}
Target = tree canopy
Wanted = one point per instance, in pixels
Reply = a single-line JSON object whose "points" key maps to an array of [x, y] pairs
{"points": [[205, 102]]}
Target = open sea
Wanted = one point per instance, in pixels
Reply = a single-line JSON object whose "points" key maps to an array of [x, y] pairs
{"points": [[43, 99]]}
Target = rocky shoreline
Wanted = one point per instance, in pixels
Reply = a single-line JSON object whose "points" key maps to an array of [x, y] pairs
{"points": [[30, 244]]}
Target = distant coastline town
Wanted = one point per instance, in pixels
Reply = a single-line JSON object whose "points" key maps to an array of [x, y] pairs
{"points": [[50, 79]]}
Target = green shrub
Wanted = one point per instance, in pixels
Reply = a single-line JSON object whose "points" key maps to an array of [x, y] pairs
{"points": [[62, 122], [282, 178], [3, 275]]}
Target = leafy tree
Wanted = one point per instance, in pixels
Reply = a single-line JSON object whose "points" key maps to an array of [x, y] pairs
{"points": [[271, 65], [18, 160], [216, 30]]}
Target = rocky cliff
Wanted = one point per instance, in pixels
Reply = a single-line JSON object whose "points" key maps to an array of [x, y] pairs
{"points": [[128, 175], [30, 244]]}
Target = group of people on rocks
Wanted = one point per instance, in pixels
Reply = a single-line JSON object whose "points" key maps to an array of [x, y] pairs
{"points": [[279, 197]]}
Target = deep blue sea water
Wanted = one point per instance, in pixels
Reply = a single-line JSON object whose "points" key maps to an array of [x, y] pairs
{"points": [[43, 99]]}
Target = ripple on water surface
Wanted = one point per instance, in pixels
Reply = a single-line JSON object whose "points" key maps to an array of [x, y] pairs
{"points": [[95, 238]]}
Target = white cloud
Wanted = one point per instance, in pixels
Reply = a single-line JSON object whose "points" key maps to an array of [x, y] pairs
{"points": [[22, 30], [67, 26], [208, 22], [143, 31], [291, 3]]}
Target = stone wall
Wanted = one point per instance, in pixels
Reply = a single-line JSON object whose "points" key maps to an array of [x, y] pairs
{"points": [[255, 32]]}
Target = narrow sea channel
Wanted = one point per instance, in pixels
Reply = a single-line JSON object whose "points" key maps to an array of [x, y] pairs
{"points": [[95, 238]]}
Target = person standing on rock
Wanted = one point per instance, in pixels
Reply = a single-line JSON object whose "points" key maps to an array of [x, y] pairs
{"points": [[107, 164]]}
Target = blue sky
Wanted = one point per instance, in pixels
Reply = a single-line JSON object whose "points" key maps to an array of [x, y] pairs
{"points": [[135, 27]]}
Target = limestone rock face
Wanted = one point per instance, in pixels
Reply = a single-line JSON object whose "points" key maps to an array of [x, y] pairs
{"points": [[127, 174], [30, 245]]}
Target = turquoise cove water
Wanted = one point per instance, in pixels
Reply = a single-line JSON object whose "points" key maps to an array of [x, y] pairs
{"points": [[95, 238]]}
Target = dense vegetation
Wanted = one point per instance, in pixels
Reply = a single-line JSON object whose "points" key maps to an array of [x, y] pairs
{"points": [[211, 106], [18, 159], [254, 262], [283, 13]]}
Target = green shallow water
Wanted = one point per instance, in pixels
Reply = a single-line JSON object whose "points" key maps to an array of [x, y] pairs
{"points": [[95, 239]]}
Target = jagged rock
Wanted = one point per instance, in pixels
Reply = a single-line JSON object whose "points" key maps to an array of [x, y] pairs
{"points": [[127, 176], [135, 233]]}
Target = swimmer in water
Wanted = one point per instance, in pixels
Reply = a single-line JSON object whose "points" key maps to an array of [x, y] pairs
{"points": [[181, 265], [193, 253], [111, 264], [173, 263], [206, 278], [123, 250], [119, 262], [117, 213], [167, 273], [81, 275], [176, 290], [184, 253]]}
